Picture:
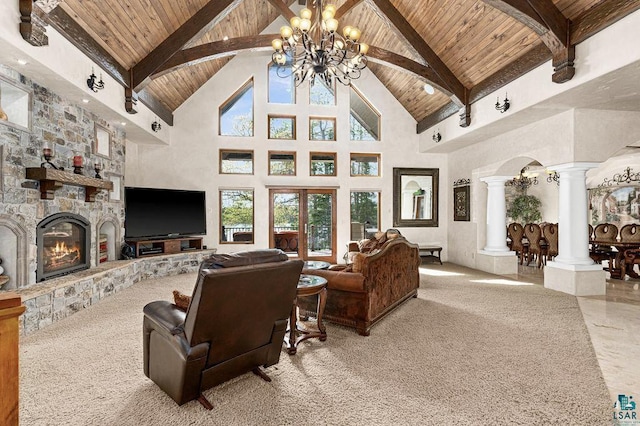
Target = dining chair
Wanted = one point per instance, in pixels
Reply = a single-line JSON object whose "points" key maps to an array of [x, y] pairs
{"points": [[533, 233], [550, 233], [630, 233], [604, 233], [516, 232]]}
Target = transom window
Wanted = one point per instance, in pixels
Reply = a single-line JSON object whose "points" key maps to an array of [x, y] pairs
{"points": [[322, 163], [364, 120], [365, 164], [236, 162], [282, 163], [236, 113], [322, 129], [282, 127]]}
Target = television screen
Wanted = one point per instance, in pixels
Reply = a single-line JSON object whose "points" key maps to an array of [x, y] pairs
{"points": [[154, 213]]}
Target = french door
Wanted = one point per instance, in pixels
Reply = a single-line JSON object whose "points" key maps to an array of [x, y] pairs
{"points": [[302, 222]]}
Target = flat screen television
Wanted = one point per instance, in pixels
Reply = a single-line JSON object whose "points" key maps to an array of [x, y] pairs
{"points": [[157, 213]]}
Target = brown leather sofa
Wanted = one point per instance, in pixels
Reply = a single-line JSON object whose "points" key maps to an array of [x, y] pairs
{"points": [[378, 282], [236, 322]]}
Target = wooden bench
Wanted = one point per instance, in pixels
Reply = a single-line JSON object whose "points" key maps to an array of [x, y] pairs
{"points": [[430, 252]]}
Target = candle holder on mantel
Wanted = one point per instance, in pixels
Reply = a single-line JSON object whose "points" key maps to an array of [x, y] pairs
{"points": [[77, 164], [97, 167], [47, 154]]}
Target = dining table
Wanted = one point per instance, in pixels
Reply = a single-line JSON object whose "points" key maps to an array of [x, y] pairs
{"points": [[620, 265]]}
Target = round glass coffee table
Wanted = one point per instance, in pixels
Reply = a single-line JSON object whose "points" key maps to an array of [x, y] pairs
{"points": [[308, 285], [316, 264]]}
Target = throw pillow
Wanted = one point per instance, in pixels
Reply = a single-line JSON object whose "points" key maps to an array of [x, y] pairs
{"points": [[181, 300]]}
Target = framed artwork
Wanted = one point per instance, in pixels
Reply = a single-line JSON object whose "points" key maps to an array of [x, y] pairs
{"points": [[461, 203], [102, 143], [116, 193]]}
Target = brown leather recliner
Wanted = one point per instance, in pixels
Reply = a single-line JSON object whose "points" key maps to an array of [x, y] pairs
{"points": [[236, 322]]}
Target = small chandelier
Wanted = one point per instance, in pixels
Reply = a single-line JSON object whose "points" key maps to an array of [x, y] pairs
{"points": [[332, 56], [524, 180]]}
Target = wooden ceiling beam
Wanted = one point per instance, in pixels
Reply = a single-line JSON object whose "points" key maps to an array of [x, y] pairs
{"points": [[76, 35], [417, 42], [282, 8], [553, 28], [584, 26], [192, 29], [232, 46], [346, 7]]}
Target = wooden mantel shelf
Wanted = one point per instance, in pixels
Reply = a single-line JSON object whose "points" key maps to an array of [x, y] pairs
{"points": [[52, 179]]}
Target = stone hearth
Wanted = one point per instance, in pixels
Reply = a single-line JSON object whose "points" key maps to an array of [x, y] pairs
{"points": [[58, 298]]}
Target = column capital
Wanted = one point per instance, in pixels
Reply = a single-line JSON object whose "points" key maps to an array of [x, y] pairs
{"points": [[575, 166], [495, 179]]}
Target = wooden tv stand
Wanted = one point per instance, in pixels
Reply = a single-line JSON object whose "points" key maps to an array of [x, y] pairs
{"points": [[145, 248]]}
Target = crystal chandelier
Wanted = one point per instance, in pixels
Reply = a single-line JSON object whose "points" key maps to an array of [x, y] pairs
{"points": [[332, 56], [524, 180]]}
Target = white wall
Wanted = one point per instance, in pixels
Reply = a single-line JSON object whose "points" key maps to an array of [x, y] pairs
{"points": [[191, 159]]}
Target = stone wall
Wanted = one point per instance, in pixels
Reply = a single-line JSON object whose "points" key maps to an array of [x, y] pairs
{"points": [[70, 129], [58, 298]]}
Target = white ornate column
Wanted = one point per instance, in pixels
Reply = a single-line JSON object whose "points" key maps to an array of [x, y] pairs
{"points": [[573, 271], [496, 214], [496, 256]]}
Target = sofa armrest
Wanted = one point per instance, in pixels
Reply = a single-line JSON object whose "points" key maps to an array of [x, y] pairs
{"points": [[340, 280]]}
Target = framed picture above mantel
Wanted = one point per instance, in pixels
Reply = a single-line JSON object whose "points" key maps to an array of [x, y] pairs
{"points": [[102, 142]]}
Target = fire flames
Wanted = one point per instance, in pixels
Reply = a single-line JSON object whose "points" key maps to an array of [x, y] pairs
{"points": [[61, 255]]}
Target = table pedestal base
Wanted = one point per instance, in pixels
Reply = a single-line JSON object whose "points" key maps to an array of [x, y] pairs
{"points": [[298, 334]]}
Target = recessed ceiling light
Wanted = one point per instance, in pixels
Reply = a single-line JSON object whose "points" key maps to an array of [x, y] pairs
{"points": [[123, 123], [225, 38], [429, 89], [22, 62], [86, 101]]}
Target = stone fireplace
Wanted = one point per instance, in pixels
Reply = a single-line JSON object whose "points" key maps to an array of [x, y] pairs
{"points": [[63, 243]]}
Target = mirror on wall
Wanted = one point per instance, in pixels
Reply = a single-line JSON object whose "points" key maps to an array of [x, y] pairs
{"points": [[415, 197]]}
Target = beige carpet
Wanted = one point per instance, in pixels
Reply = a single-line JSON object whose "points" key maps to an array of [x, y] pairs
{"points": [[463, 352]]}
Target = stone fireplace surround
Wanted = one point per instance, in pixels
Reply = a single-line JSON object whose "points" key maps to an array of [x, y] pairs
{"points": [[70, 130]]}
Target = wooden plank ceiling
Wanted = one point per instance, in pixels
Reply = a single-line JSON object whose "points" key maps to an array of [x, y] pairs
{"points": [[474, 41]]}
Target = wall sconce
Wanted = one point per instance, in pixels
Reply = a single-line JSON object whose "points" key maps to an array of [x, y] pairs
{"points": [[93, 85], [504, 106], [156, 126], [437, 137], [553, 176]]}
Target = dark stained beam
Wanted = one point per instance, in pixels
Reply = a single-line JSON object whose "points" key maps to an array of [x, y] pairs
{"points": [[546, 20], [533, 59], [232, 46], [282, 8], [76, 35], [194, 28], [584, 26], [346, 7], [31, 26], [156, 106], [214, 50], [417, 42], [601, 16], [431, 120]]}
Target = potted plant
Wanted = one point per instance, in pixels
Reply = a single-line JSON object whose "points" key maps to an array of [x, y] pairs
{"points": [[525, 209]]}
